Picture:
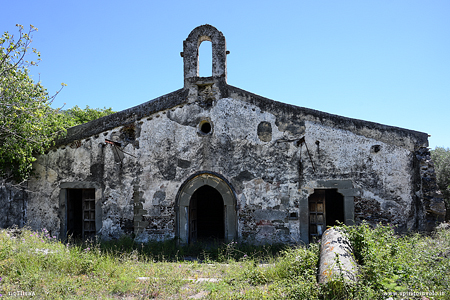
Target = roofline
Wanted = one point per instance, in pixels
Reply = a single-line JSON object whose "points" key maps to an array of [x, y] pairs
{"points": [[123, 117], [345, 123], [180, 97]]}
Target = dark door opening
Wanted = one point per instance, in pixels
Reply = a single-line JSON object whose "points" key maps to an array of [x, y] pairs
{"points": [[325, 208], [206, 215], [334, 206], [81, 213]]}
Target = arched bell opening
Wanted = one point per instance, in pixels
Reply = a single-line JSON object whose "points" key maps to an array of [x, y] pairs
{"points": [[204, 63], [191, 49]]}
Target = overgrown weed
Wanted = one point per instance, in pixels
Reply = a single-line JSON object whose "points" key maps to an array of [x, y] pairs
{"points": [[393, 263], [388, 263]]}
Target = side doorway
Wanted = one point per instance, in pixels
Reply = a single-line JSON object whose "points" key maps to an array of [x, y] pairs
{"points": [[81, 213], [326, 208]]}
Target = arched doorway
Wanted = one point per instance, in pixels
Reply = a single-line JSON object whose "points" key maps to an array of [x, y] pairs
{"points": [[206, 209], [206, 215]]}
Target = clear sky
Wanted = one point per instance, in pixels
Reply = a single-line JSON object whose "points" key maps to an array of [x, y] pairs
{"points": [[381, 61]]}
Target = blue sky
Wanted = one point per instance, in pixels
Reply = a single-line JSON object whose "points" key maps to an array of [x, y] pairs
{"points": [[381, 61]]}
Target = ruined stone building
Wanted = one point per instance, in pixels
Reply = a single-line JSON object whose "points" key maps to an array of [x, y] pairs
{"points": [[213, 161]]}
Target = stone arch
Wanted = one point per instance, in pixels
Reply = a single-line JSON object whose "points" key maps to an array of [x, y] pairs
{"points": [[190, 52], [183, 198]]}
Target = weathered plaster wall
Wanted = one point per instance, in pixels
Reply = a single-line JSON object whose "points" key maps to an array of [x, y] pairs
{"points": [[383, 177], [271, 155], [255, 149]]}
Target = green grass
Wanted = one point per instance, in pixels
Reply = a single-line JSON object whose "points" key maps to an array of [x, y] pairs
{"points": [[37, 263]]}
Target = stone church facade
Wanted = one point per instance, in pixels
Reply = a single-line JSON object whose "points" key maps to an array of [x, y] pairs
{"points": [[212, 161]]}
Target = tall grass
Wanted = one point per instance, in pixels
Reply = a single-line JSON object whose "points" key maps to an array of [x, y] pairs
{"points": [[402, 264], [35, 262], [169, 250]]}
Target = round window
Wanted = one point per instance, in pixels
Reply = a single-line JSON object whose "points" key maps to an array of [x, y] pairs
{"points": [[205, 127]]}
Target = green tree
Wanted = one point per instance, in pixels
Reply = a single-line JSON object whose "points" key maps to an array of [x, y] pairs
{"points": [[76, 116], [28, 123], [441, 159]]}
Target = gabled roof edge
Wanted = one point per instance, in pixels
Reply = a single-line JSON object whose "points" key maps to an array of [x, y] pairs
{"points": [[345, 123], [179, 97], [124, 117]]}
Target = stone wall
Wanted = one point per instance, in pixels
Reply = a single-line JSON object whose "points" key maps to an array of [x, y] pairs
{"points": [[13, 201], [266, 157], [431, 206], [255, 149]]}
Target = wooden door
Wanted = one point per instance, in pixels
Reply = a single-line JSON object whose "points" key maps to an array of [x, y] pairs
{"points": [[193, 219], [317, 218], [88, 200]]}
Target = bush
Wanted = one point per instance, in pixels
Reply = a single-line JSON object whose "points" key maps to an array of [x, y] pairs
{"points": [[388, 264]]}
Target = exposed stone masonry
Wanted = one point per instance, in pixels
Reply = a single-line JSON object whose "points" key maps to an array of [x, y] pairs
{"points": [[265, 158]]}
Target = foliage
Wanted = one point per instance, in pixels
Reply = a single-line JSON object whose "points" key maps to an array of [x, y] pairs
{"points": [[441, 159], [28, 124], [390, 266], [76, 115], [36, 262]]}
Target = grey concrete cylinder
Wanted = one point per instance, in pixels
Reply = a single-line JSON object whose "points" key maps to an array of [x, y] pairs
{"points": [[336, 258]]}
